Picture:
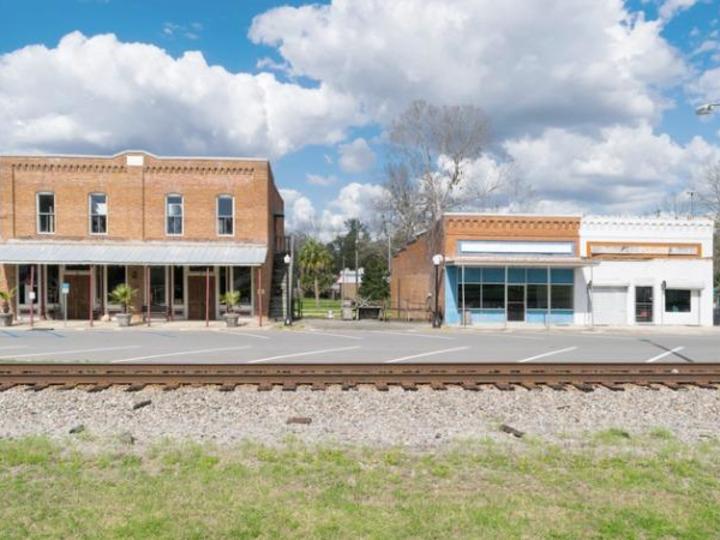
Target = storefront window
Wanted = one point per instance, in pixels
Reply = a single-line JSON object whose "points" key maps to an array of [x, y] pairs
{"points": [[115, 277], [242, 283], [677, 301], [493, 296], [472, 295], [537, 297], [561, 297]]}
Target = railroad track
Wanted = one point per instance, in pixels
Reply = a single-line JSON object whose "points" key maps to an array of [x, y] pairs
{"points": [[505, 376]]}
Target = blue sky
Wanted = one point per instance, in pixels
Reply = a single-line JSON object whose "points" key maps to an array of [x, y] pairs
{"points": [[592, 101]]}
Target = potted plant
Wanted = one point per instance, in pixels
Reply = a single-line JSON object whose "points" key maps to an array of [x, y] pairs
{"points": [[124, 295], [5, 315], [230, 299]]}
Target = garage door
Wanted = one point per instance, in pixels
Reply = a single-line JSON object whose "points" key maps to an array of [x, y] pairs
{"points": [[610, 305]]}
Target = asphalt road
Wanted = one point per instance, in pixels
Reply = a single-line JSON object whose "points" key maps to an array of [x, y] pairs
{"points": [[391, 345]]}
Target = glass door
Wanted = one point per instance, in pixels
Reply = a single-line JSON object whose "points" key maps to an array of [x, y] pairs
{"points": [[644, 304], [516, 303]]}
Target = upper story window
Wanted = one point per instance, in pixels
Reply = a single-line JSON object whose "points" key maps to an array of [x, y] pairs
{"points": [[98, 213], [174, 214], [46, 213], [225, 215]]}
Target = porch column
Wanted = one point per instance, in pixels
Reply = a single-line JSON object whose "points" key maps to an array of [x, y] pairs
{"points": [[462, 287], [42, 290], [171, 293], [91, 283], [549, 298], [260, 295], [147, 294], [207, 296], [31, 294]]}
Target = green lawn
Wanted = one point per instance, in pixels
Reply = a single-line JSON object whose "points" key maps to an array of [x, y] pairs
{"points": [[311, 309], [614, 487]]}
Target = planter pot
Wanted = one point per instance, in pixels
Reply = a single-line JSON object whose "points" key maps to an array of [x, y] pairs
{"points": [[231, 319], [6, 319], [123, 319]]}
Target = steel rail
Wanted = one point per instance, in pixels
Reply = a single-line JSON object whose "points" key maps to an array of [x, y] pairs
{"points": [[289, 376]]}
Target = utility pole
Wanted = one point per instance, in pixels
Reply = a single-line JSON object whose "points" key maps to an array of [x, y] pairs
{"points": [[357, 271], [692, 203]]}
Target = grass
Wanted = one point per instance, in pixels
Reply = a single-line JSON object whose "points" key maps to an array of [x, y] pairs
{"points": [[310, 309], [613, 487]]}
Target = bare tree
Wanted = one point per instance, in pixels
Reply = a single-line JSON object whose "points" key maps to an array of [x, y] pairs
{"points": [[709, 191], [431, 149], [709, 196]]}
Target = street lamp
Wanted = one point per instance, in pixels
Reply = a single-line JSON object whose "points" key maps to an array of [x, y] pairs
{"points": [[288, 303], [437, 261], [706, 109]]}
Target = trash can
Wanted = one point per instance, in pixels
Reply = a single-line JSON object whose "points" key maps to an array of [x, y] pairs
{"points": [[347, 312]]}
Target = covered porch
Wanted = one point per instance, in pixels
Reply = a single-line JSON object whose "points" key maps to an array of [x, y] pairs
{"points": [[173, 281]]}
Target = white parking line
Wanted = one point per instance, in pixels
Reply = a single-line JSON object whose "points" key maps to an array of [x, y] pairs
{"points": [[14, 347], [180, 353], [241, 333], [76, 351], [550, 353], [663, 355], [296, 355], [314, 333], [409, 334], [422, 355]]}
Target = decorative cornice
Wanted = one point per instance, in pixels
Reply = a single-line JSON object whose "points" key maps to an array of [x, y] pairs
{"points": [[69, 167], [198, 169]]}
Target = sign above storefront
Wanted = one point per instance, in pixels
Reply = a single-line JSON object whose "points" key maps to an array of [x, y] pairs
{"points": [[498, 247], [662, 250]]}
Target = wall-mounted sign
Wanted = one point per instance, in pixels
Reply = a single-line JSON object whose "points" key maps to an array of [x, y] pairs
{"points": [[510, 247], [662, 250], [65, 288]]}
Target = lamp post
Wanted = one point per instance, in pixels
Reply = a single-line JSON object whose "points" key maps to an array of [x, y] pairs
{"points": [[288, 302], [437, 261]]}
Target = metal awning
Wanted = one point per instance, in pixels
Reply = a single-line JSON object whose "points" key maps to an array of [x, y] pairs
{"points": [[572, 262], [140, 253]]}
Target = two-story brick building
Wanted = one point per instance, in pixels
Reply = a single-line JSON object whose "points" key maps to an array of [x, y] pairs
{"points": [[181, 231]]}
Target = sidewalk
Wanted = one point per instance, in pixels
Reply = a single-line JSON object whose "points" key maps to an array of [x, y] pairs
{"points": [[245, 323]]}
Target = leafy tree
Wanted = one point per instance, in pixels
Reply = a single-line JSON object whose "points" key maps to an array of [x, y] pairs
{"points": [[374, 285], [316, 267]]}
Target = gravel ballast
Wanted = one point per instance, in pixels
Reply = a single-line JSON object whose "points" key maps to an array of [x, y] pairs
{"points": [[364, 417]]}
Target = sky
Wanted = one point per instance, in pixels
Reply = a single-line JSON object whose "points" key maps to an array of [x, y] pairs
{"points": [[592, 101]]}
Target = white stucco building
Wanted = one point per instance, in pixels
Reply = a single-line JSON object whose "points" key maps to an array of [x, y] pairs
{"points": [[645, 271]]}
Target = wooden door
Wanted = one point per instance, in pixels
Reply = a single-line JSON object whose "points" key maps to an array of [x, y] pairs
{"points": [[79, 297], [196, 298]]}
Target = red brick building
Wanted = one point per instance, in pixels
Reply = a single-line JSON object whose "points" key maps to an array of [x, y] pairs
{"points": [[181, 231]]}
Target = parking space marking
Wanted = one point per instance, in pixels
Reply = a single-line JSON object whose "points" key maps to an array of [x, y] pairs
{"points": [[314, 333], [409, 334], [422, 355], [549, 353], [664, 354], [14, 347], [241, 333], [180, 353], [296, 355], [76, 351]]}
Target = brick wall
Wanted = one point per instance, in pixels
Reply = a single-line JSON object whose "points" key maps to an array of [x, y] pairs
{"points": [[411, 281], [136, 199]]}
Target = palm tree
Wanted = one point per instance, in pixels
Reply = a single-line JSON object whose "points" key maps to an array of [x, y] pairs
{"points": [[5, 299], [316, 265], [124, 295]]}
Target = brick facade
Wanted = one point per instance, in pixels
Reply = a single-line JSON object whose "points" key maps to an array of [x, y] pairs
{"points": [[136, 185]]}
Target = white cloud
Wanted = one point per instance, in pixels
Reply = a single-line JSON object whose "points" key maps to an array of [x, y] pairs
{"points": [[354, 201], [356, 156], [101, 95], [670, 8], [529, 64], [622, 169], [318, 180]]}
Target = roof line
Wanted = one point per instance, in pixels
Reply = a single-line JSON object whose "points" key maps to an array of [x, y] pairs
{"points": [[129, 151]]}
